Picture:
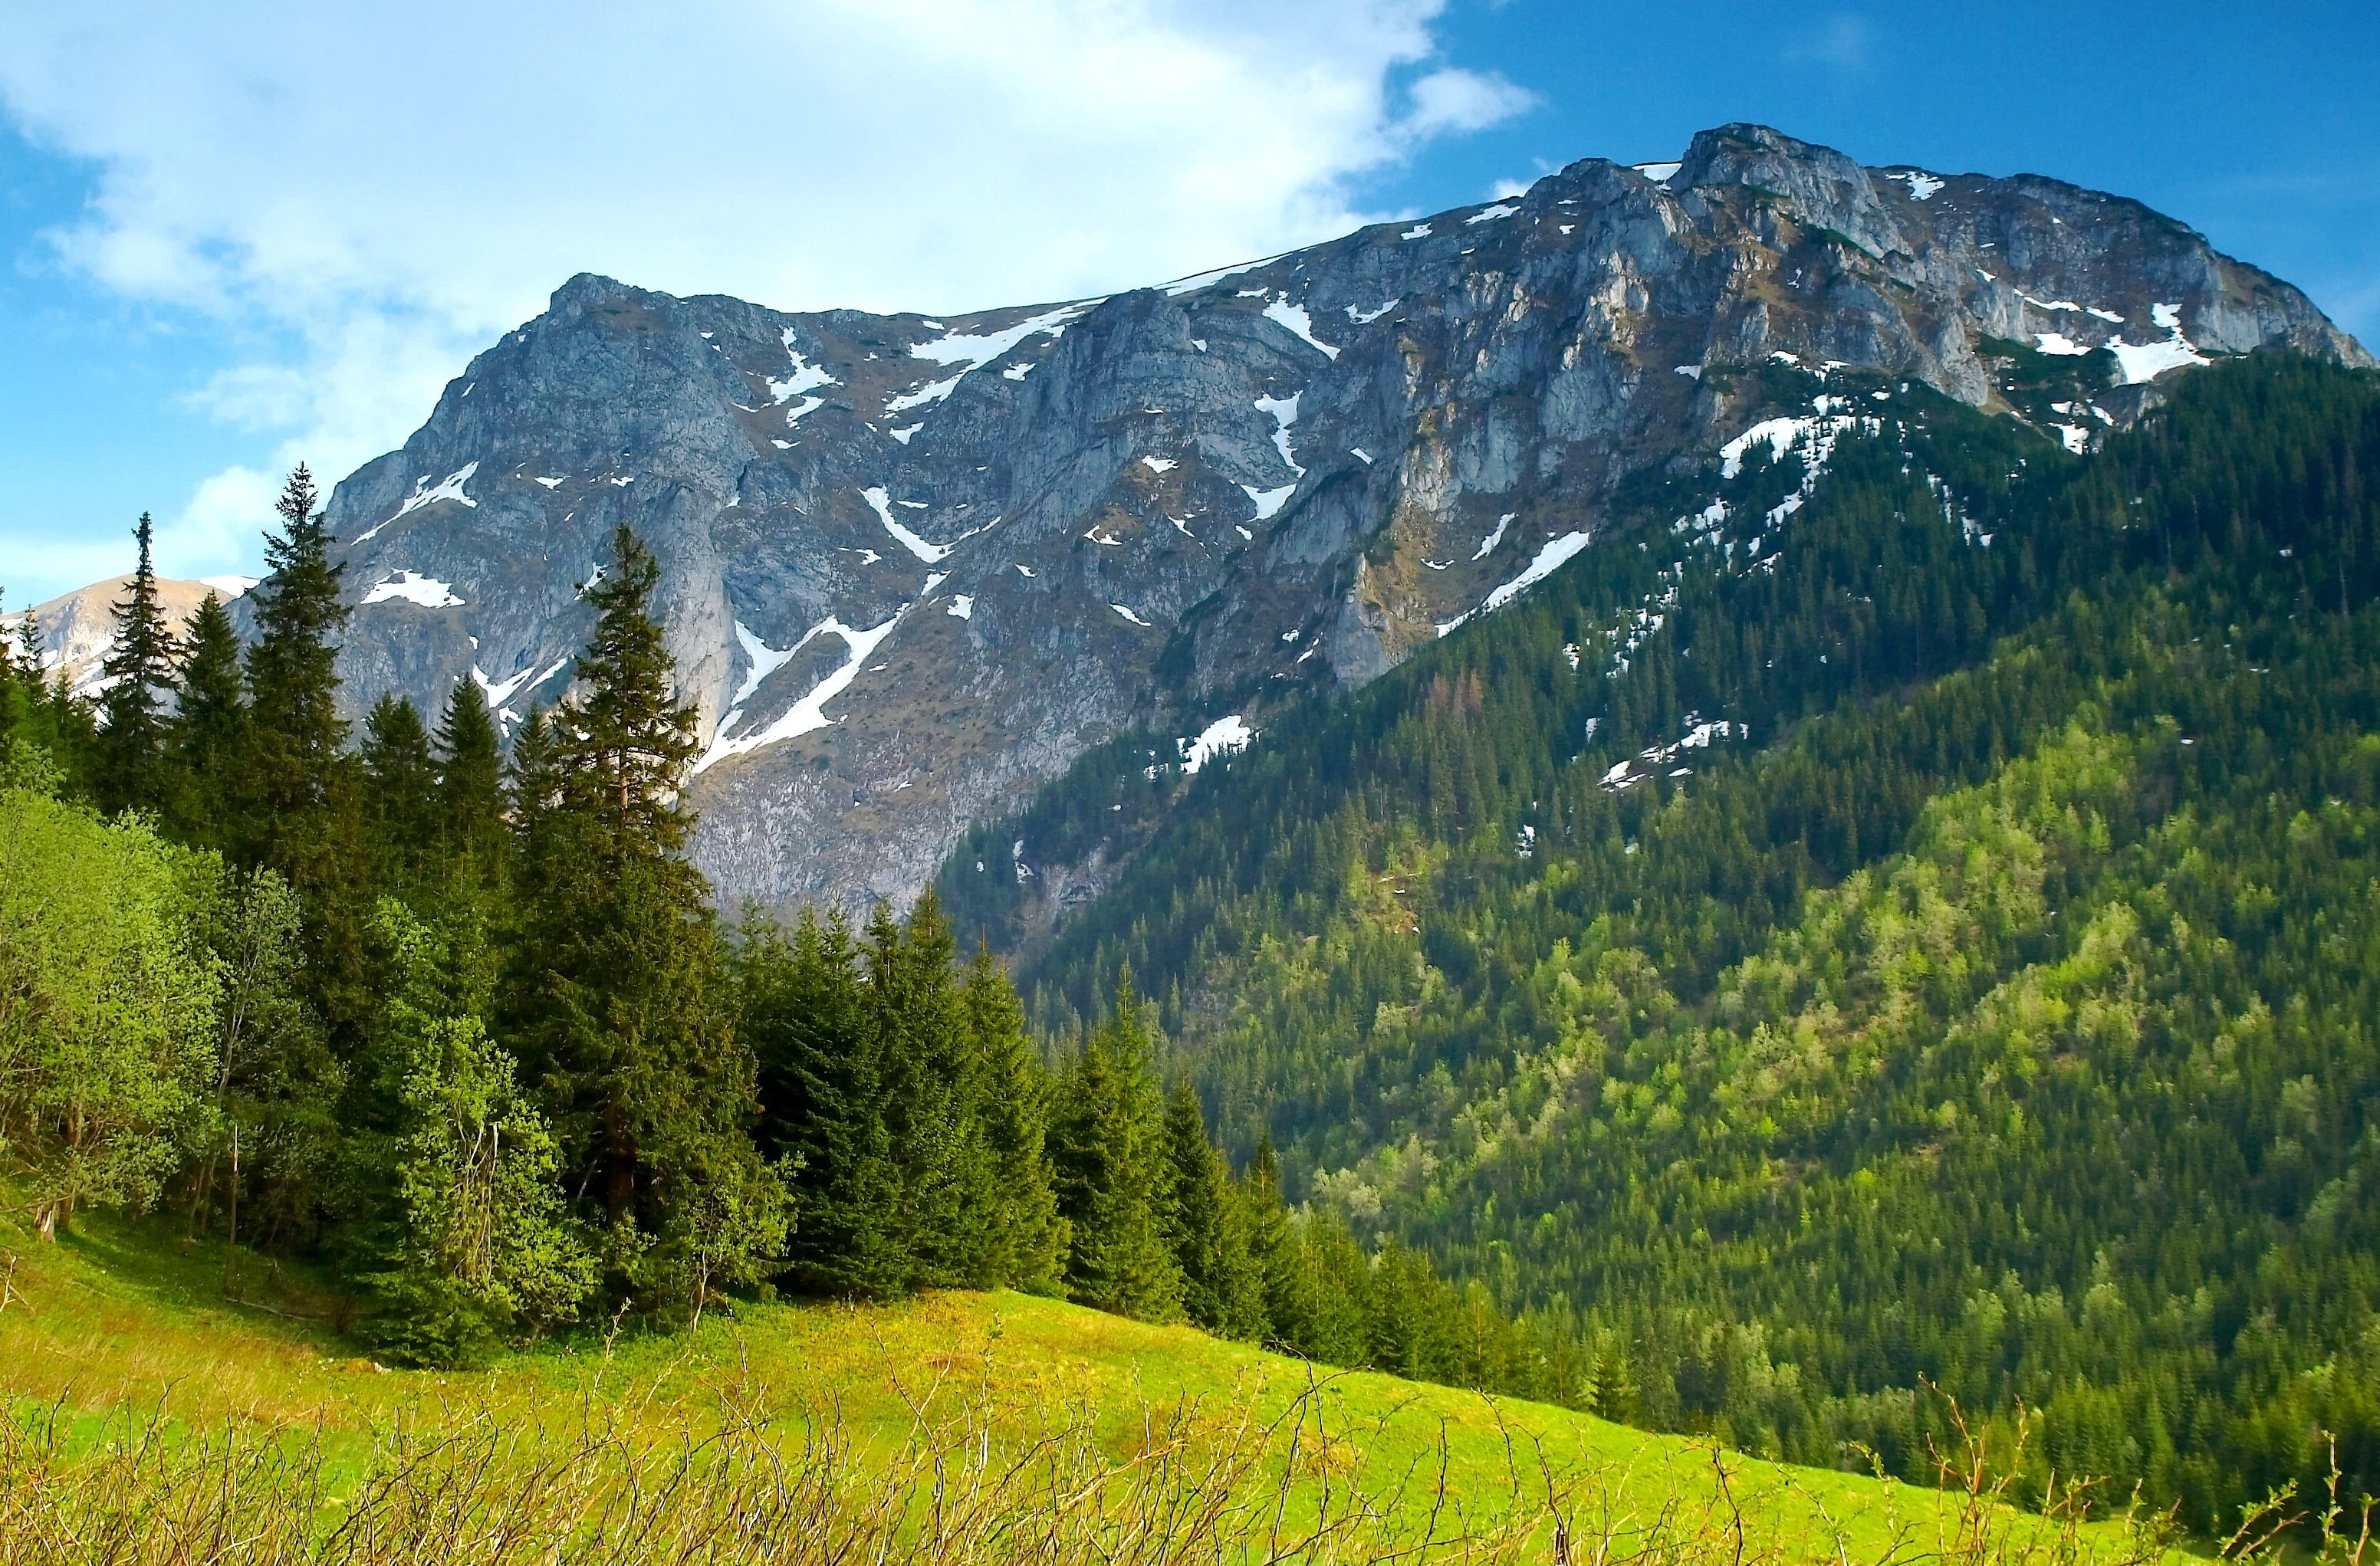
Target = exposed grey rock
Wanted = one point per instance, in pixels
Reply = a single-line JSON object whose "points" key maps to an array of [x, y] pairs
{"points": [[1213, 496]]}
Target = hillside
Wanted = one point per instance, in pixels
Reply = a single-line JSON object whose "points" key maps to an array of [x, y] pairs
{"points": [[120, 1324], [913, 567], [1917, 925]]}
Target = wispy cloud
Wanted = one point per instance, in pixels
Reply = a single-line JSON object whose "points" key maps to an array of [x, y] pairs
{"points": [[390, 186], [1843, 41]]}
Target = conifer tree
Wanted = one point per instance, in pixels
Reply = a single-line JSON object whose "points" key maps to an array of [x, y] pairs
{"points": [[470, 781], [1208, 1229], [621, 1001], [209, 729], [293, 680], [400, 795], [1026, 1239], [20, 678], [140, 681], [1282, 1282], [298, 806], [1114, 1177], [805, 1015], [932, 1088]]}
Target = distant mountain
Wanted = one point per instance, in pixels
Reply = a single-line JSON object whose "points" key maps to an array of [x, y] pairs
{"points": [[915, 567], [75, 632]]}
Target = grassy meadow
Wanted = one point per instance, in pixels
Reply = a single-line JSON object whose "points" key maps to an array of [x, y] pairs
{"points": [[156, 1420]]}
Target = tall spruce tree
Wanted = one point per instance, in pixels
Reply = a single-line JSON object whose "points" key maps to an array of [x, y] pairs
{"points": [[932, 1088], [1026, 1240], [298, 787], [293, 762], [1274, 1254], [400, 796], [1115, 1179], [806, 1015], [470, 783], [141, 683], [1221, 1290], [205, 740], [622, 1006]]}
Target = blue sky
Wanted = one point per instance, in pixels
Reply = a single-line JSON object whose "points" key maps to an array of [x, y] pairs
{"points": [[235, 236]]}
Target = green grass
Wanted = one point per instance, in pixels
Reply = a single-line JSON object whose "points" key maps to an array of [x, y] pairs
{"points": [[118, 1340]]}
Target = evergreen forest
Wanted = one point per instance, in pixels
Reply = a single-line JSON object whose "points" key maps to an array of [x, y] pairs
{"points": [[1894, 922], [452, 1025]]}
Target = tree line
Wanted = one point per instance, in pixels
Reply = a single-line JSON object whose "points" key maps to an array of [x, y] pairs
{"points": [[455, 1024]]}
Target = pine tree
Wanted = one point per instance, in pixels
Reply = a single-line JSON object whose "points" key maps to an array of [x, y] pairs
{"points": [[470, 783], [1275, 1256], [205, 740], [805, 1017], [293, 680], [1026, 1240], [400, 795], [298, 787], [140, 682], [618, 993], [932, 1087], [1207, 1227], [1114, 1177], [631, 743]]}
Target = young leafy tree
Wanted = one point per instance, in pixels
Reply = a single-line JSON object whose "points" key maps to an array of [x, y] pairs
{"points": [[1026, 1240], [140, 681], [273, 1134], [621, 1002], [205, 739], [1115, 1179], [106, 1008], [484, 1248], [400, 796]]}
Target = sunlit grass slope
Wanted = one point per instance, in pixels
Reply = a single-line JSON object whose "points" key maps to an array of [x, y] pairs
{"points": [[133, 1377]]}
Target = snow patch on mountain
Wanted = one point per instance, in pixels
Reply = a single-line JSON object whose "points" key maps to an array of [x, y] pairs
{"points": [[413, 588], [809, 712], [1224, 736], [1294, 319], [1284, 414]]}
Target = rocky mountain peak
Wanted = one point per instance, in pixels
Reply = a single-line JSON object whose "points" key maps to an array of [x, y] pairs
{"points": [[914, 566]]}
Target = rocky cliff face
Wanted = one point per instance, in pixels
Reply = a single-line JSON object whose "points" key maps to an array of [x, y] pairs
{"points": [[914, 566]]}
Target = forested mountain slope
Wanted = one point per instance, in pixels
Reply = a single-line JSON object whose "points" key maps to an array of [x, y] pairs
{"points": [[1914, 918]]}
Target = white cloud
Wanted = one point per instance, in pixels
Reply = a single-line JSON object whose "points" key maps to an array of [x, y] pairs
{"points": [[1462, 100], [391, 186]]}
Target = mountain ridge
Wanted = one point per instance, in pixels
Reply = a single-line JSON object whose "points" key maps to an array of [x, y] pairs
{"points": [[914, 566]]}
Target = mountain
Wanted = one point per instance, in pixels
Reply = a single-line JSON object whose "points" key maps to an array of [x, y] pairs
{"points": [[916, 567], [74, 632], [1915, 932]]}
